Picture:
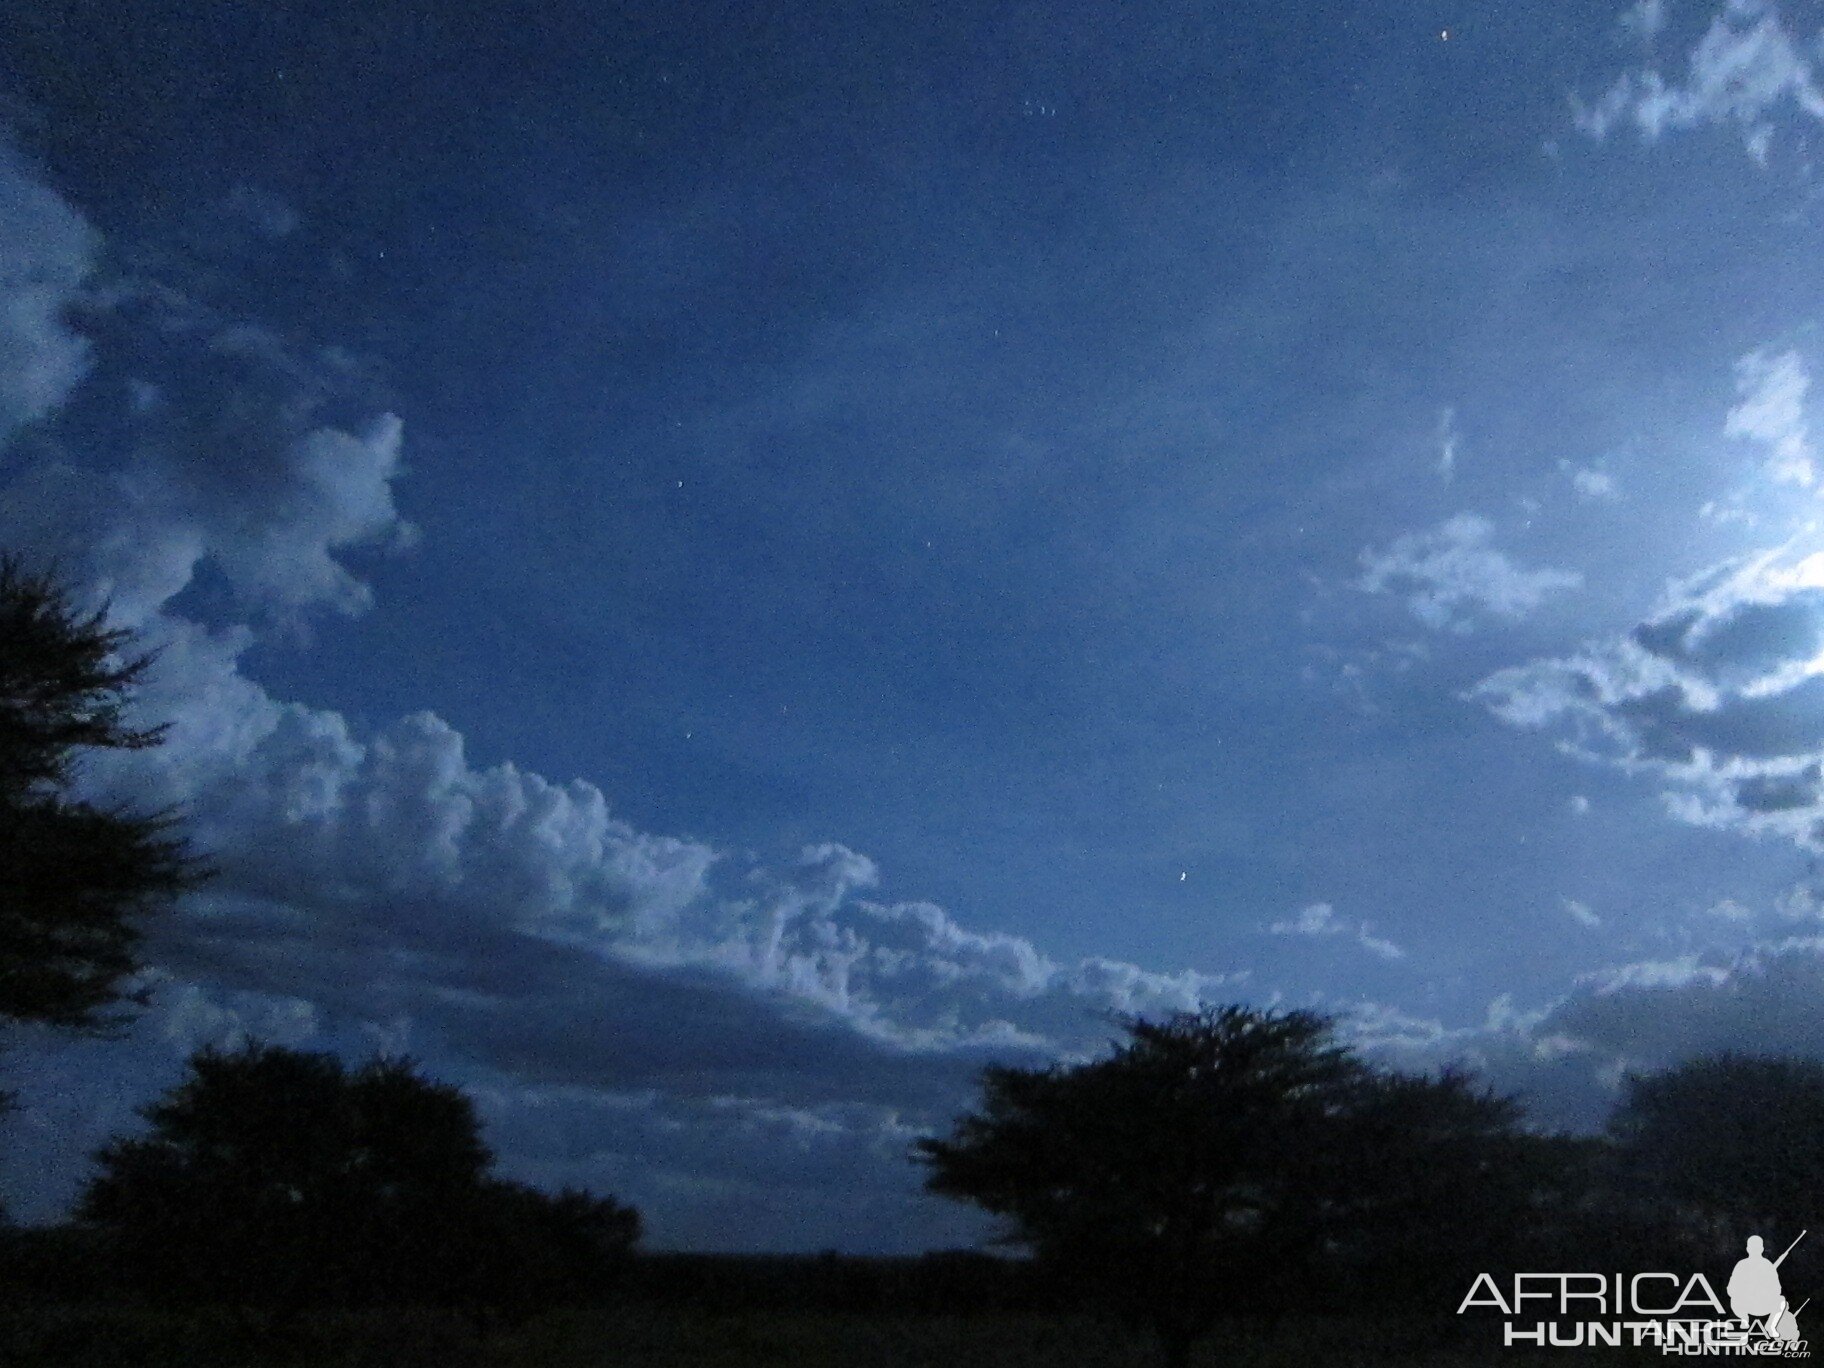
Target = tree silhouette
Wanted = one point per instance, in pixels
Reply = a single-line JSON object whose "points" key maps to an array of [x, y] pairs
{"points": [[1732, 1143], [74, 878], [1219, 1161], [281, 1179], [1433, 1175], [523, 1250]]}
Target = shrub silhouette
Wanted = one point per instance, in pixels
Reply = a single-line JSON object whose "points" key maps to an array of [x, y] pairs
{"points": [[521, 1250], [278, 1179]]}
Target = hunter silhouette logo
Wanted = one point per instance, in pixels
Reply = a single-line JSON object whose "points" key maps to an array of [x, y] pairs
{"points": [[1677, 1313], [1755, 1294]]}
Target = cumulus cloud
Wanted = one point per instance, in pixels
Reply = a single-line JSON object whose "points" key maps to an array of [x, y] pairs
{"points": [[230, 468], [335, 847], [1321, 920], [379, 889], [1453, 575], [382, 889], [224, 456], [1745, 70]]}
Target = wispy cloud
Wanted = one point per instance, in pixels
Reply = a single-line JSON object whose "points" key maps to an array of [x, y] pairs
{"points": [[1745, 70], [1321, 920], [50, 251], [1453, 575], [1580, 912], [1771, 412], [1447, 444], [1646, 18]]}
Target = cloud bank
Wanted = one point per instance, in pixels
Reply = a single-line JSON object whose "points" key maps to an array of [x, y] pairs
{"points": [[737, 1043], [717, 1033]]}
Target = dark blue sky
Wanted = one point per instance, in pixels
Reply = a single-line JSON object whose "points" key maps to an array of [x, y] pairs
{"points": [[646, 506]]}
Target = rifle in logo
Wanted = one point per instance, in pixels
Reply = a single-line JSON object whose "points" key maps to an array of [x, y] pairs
{"points": [[1785, 1326]]}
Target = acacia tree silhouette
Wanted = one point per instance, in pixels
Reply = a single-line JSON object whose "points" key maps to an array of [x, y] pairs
{"points": [[74, 879], [1220, 1161]]}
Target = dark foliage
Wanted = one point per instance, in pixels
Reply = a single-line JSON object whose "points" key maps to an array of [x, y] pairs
{"points": [[518, 1250], [74, 879], [278, 1179], [1725, 1145], [51, 1265], [1436, 1178], [1232, 1161], [948, 1283]]}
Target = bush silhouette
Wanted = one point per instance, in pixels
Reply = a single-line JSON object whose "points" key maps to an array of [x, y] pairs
{"points": [[278, 1179]]}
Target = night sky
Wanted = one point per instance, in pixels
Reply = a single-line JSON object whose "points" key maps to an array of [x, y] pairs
{"points": [[719, 567]]}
